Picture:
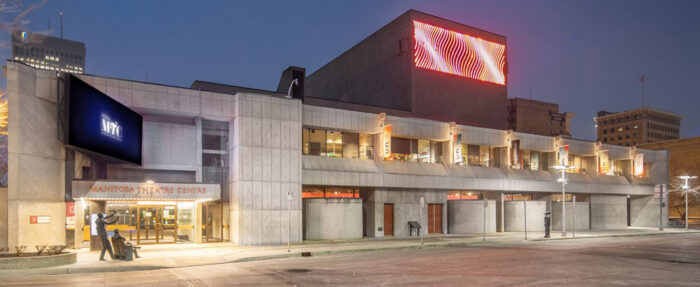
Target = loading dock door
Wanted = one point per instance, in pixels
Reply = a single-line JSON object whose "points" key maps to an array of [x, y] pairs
{"points": [[388, 219], [434, 218]]}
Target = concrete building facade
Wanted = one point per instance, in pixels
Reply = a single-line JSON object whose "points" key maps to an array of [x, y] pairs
{"points": [[384, 139]]}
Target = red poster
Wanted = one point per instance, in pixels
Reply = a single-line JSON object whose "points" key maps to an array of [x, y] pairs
{"points": [[70, 209]]}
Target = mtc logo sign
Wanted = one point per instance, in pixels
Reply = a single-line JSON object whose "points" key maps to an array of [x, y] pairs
{"points": [[111, 128]]}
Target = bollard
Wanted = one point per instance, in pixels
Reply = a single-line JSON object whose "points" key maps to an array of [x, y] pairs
{"points": [[547, 223]]}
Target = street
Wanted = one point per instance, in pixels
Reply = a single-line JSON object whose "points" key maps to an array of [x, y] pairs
{"points": [[668, 260]]}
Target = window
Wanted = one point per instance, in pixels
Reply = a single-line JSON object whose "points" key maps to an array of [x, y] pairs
{"points": [[330, 192], [336, 143], [605, 131], [366, 147], [463, 195], [413, 150]]}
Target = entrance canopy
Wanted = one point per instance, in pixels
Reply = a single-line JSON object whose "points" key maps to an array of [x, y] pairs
{"points": [[120, 190]]}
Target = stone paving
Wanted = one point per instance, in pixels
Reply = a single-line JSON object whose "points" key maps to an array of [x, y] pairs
{"points": [[183, 255]]}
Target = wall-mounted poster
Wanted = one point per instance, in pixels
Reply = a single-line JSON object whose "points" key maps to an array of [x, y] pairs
{"points": [[603, 163], [386, 142], [563, 155], [639, 164], [515, 154], [457, 144]]}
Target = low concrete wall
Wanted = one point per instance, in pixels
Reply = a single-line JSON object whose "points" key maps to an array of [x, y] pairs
{"points": [[406, 208], [332, 218], [582, 215], [608, 211], [37, 261], [3, 217], [467, 216], [514, 215], [644, 211]]}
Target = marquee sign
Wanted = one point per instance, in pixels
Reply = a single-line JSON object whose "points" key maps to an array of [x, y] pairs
{"points": [[114, 190]]}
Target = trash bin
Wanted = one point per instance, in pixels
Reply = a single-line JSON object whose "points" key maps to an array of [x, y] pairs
{"points": [[129, 250]]}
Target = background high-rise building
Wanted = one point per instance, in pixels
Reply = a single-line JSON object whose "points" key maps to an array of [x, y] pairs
{"points": [[48, 53], [536, 117], [633, 127]]}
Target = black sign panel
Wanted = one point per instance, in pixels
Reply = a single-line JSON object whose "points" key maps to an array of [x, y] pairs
{"points": [[100, 124]]}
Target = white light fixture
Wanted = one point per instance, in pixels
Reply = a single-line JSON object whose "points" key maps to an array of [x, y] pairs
{"points": [[563, 181], [150, 181], [686, 190]]}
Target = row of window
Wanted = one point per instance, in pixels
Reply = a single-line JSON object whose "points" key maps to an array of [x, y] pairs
{"points": [[345, 192], [620, 129], [663, 128], [333, 143], [336, 144]]}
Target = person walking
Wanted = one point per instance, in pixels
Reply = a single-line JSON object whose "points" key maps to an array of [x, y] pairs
{"points": [[101, 223]]}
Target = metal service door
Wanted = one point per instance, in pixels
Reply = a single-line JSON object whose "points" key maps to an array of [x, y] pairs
{"points": [[388, 219], [434, 218]]}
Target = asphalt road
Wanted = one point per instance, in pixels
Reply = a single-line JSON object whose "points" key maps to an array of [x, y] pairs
{"points": [[669, 260]]}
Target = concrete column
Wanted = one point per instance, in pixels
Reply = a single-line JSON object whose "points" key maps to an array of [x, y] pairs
{"points": [[95, 207], [198, 223], [79, 224], [198, 135], [3, 217]]}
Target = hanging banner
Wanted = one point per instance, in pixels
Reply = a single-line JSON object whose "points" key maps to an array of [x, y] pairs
{"points": [[515, 154], [639, 164], [386, 142], [563, 155], [603, 163], [457, 143], [535, 161]]}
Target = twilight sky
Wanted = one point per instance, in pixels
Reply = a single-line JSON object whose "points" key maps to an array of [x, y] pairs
{"points": [[584, 55]]}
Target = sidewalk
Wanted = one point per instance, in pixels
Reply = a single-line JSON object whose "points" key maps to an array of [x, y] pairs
{"points": [[183, 255]]}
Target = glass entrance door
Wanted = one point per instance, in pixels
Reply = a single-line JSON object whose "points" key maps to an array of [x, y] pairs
{"points": [[156, 224], [211, 222]]}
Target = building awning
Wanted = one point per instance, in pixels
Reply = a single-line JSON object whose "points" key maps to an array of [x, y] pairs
{"points": [[121, 190]]}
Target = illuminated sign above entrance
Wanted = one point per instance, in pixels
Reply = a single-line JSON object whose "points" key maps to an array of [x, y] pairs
{"points": [[100, 124], [447, 51]]}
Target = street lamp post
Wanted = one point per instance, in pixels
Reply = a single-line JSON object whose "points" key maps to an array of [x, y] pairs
{"points": [[686, 190], [563, 181]]}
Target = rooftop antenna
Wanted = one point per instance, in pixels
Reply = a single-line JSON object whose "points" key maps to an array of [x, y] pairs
{"points": [[60, 15], [531, 91], [49, 26]]}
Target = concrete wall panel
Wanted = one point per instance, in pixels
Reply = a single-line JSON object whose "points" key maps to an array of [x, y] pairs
{"points": [[467, 216], [608, 211], [515, 219], [332, 218], [581, 214]]}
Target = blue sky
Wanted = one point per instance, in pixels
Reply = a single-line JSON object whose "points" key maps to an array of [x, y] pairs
{"points": [[584, 55]]}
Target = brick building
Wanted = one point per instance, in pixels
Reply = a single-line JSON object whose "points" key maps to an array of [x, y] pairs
{"points": [[633, 127], [536, 117]]}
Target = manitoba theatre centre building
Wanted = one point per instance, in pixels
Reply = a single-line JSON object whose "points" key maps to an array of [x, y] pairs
{"points": [[409, 125]]}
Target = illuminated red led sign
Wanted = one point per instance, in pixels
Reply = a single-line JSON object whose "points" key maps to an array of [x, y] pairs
{"points": [[447, 51]]}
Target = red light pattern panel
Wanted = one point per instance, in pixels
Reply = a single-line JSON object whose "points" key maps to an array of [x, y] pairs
{"points": [[447, 51]]}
